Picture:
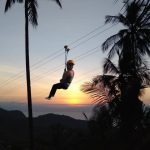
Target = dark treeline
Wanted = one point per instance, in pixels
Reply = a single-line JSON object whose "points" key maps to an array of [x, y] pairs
{"points": [[121, 120], [102, 131]]}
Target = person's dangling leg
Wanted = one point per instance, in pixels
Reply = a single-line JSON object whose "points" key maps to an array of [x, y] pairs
{"points": [[54, 89]]}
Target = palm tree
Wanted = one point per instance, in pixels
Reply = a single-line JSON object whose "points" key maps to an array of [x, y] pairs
{"points": [[108, 87], [30, 16], [127, 1], [131, 45], [123, 83], [121, 93]]}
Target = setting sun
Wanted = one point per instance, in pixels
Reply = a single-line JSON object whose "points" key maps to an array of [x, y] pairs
{"points": [[73, 101], [74, 95]]}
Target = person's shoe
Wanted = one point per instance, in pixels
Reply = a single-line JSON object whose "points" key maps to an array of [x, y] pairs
{"points": [[48, 98]]}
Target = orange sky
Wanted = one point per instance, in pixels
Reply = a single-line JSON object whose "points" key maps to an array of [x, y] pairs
{"points": [[40, 90], [49, 37], [68, 97]]}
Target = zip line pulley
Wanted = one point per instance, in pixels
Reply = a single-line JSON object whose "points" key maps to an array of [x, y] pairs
{"points": [[66, 55]]}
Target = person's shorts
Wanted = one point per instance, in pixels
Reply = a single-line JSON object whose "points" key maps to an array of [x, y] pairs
{"points": [[65, 85]]}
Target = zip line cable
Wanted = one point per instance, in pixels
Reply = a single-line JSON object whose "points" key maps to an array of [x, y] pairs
{"points": [[81, 77], [79, 58], [47, 57], [13, 78], [71, 43], [95, 35], [23, 75], [82, 37], [16, 77], [20, 75], [88, 39], [48, 61], [89, 52]]}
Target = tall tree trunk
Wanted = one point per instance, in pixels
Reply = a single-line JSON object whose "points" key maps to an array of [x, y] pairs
{"points": [[30, 117]]}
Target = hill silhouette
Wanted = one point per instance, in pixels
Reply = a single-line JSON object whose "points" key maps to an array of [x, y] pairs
{"points": [[14, 126], [17, 118], [49, 119], [60, 132]]}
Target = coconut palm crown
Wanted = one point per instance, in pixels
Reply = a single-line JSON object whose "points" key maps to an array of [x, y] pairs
{"points": [[130, 45]]}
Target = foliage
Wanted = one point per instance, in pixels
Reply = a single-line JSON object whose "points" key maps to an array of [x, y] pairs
{"points": [[116, 93], [130, 45]]}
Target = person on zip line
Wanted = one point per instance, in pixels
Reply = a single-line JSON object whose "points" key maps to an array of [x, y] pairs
{"points": [[66, 78], [65, 81]]}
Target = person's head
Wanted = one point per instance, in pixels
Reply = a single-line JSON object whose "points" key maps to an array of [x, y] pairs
{"points": [[70, 64]]}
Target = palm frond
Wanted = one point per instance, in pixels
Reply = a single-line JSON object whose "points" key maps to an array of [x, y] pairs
{"points": [[133, 12], [140, 2], [143, 47], [109, 41], [58, 2], [115, 49], [103, 89], [109, 67], [122, 33], [143, 17], [145, 20], [124, 20], [32, 12], [146, 34], [97, 93], [108, 81], [9, 3], [144, 74], [147, 25], [111, 19], [117, 42], [117, 19]]}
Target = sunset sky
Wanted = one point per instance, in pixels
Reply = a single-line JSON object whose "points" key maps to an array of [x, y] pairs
{"points": [[80, 25]]}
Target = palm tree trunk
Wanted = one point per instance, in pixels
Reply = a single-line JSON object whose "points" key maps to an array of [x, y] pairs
{"points": [[28, 76]]}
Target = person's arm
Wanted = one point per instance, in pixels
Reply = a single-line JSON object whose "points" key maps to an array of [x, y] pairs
{"points": [[67, 77], [63, 76]]}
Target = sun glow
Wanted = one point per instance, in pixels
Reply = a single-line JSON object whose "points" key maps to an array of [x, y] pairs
{"points": [[73, 95], [73, 101]]}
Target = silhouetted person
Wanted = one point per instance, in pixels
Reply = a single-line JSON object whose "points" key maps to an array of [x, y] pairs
{"points": [[65, 81]]}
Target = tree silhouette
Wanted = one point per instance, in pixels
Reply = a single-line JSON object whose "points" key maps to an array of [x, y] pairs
{"points": [[127, 1], [123, 83], [131, 45], [30, 17]]}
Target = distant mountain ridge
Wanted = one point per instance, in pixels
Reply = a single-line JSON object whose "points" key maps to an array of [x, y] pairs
{"points": [[14, 114], [49, 119], [9, 117], [14, 126], [16, 123]]}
